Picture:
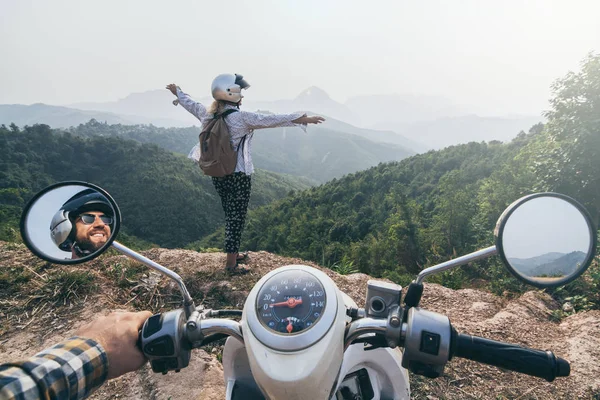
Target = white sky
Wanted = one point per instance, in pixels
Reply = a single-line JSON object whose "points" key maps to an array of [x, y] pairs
{"points": [[545, 225], [493, 57]]}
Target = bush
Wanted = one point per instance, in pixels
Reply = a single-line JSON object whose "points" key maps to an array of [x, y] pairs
{"points": [[399, 276], [455, 278], [344, 267]]}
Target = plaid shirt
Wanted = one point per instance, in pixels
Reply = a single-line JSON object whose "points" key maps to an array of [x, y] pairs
{"points": [[72, 369], [241, 126]]}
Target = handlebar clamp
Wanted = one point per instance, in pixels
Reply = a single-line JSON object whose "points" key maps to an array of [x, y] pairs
{"points": [[427, 342], [162, 341]]}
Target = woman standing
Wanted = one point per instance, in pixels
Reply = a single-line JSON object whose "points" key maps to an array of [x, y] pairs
{"points": [[234, 189]]}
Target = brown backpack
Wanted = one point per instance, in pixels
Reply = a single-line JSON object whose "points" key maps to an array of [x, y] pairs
{"points": [[217, 156]]}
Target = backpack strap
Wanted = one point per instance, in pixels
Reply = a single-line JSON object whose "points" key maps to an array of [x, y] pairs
{"points": [[241, 143], [216, 117], [224, 113]]}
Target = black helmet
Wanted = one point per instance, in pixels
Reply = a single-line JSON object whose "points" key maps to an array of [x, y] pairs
{"points": [[62, 229]]}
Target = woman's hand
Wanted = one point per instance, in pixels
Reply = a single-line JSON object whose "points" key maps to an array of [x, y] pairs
{"points": [[173, 88], [315, 119]]}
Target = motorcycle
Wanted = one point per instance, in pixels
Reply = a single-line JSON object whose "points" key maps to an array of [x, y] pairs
{"points": [[299, 336]]}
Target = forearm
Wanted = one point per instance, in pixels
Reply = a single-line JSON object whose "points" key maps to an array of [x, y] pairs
{"points": [[193, 107], [71, 369], [260, 121]]}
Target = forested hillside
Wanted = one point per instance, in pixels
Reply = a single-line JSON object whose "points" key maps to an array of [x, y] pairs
{"points": [[319, 155], [397, 216], [164, 198]]}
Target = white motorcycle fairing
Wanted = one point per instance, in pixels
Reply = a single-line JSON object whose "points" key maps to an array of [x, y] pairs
{"points": [[380, 365], [312, 372]]}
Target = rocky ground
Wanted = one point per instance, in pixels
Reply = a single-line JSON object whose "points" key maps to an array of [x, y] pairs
{"points": [[41, 304]]}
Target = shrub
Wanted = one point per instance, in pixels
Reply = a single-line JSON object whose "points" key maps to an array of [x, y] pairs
{"points": [[345, 266]]}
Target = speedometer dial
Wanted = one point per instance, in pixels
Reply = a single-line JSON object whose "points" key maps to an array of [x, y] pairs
{"points": [[291, 301]]}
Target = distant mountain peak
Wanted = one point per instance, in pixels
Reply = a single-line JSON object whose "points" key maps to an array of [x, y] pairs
{"points": [[313, 93]]}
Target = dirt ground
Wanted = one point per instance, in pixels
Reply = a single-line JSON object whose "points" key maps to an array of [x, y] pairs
{"points": [[34, 315]]}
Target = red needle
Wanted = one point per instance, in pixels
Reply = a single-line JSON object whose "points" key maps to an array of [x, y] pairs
{"points": [[291, 303], [290, 327]]}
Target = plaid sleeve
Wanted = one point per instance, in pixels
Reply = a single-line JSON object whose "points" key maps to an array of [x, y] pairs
{"points": [[72, 369]]}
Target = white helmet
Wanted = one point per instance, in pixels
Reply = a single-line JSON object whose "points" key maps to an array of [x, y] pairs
{"points": [[228, 87]]}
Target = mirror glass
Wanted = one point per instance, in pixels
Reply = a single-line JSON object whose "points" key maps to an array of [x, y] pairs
{"points": [[69, 223], [547, 241]]}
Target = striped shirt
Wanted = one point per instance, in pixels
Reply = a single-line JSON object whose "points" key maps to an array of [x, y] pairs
{"points": [[241, 125], [72, 369]]}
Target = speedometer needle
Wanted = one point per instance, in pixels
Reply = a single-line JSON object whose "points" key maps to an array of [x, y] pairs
{"points": [[291, 303]]}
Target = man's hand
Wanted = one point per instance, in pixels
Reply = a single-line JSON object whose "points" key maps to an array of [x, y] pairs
{"points": [[118, 334], [173, 88], [315, 119]]}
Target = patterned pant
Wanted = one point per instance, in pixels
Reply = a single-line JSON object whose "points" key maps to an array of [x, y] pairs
{"points": [[234, 191]]}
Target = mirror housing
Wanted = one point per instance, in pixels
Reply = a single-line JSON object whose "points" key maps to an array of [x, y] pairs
{"points": [[53, 228], [546, 239]]}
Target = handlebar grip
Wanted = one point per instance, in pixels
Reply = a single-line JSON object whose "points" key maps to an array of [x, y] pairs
{"points": [[543, 364]]}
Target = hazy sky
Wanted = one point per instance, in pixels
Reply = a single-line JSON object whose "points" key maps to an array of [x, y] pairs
{"points": [[545, 225], [494, 57]]}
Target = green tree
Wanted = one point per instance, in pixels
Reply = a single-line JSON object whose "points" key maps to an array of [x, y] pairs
{"points": [[570, 161]]}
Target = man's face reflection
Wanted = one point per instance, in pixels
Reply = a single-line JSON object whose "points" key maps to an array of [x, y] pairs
{"points": [[92, 236]]}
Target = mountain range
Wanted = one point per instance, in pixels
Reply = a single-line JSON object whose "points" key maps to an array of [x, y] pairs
{"points": [[419, 123], [449, 131], [549, 264], [320, 154], [65, 117]]}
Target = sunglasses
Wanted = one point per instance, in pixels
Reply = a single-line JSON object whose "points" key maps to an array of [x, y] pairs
{"points": [[90, 218]]}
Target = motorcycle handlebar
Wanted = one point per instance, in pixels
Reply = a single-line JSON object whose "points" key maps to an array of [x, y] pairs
{"points": [[362, 327], [543, 364], [214, 328], [167, 341]]}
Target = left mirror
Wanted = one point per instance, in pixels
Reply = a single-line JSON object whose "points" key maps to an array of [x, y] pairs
{"points": [[70, 222]]}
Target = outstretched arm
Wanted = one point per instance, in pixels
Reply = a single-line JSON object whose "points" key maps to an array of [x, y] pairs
{"points": [[195, 108], [258, 120]]}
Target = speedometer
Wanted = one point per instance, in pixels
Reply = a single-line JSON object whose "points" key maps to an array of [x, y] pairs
{"points": [[290, 302]]}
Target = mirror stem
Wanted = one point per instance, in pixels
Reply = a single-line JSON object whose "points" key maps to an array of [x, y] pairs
{"points": [[188, 303], [477, 255]]}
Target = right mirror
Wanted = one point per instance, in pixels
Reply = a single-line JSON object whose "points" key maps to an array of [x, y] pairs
{"points": [[546, 239]]}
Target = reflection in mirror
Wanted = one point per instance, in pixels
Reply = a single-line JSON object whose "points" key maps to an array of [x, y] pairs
{"points": [[69, 223], [547, 240]]}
